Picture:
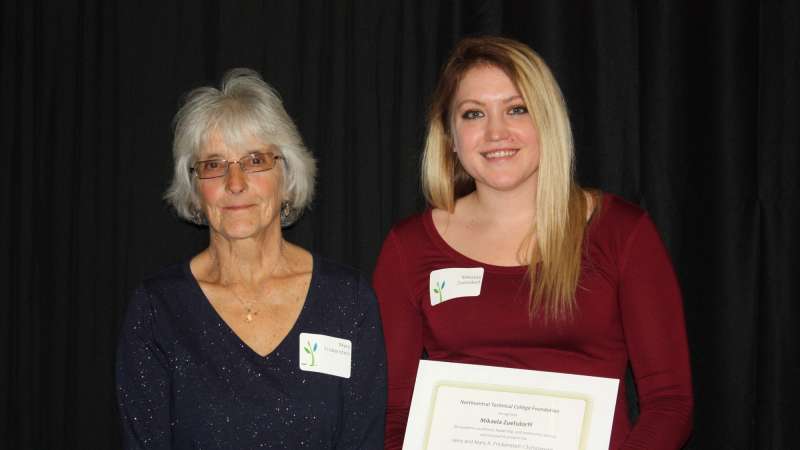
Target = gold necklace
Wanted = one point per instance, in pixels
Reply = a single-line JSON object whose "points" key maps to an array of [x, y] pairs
{"points": [[250, 311], [249, 307]]}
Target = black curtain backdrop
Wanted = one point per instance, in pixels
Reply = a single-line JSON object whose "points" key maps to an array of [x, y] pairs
{"points": [[689, 108]]}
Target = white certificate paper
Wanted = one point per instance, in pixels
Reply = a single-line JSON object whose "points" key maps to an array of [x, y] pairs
{"points": [[464, 406]]}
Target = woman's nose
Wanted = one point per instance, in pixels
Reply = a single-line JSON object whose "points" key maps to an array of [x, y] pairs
{"points": [[496, 128], [236, 179]]}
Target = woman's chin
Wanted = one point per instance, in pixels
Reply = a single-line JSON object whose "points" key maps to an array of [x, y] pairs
{"points": [[510, 181], [240, 230], [504, 185]]}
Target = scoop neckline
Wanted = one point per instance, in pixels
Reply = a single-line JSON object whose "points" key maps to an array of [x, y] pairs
{"points": [[438, 240]]}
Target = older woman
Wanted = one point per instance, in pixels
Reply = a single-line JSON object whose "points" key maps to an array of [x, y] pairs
{"points": [[254, 342], [568, 280]]}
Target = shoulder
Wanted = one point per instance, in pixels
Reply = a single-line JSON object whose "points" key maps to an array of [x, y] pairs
{"points": [[616, 216], [619, 210], [341, 291], [166, 277], [161, 288], [166, 281], [326, 269], [409, 233], [412, 226], [406, 237], [334, 279], [616, 223], [154, 298]]}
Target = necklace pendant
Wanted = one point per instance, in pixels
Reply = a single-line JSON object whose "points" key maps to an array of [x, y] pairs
{"points": [[249, 316]]}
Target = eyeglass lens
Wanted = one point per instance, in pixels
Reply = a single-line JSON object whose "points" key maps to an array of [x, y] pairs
{"points": [[254, 162]]}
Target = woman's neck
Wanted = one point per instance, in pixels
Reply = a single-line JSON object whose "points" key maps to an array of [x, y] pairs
{"points": [[244, 261], [506, 207]]}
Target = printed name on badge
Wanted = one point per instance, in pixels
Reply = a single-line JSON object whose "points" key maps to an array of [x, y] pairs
{"points": [[455, 282], [325, 354]]}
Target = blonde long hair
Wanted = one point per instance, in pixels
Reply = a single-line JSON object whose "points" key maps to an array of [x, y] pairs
{"points": [[561, 205]]}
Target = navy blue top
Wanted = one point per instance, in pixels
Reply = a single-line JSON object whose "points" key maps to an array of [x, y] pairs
{"points": [[186, 381]]}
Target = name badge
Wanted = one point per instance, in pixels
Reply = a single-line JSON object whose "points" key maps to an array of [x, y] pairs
{"points": [[455, 282], [325, 354]]}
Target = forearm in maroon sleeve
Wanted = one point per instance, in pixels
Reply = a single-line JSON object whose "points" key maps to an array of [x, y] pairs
{"points": [[402, 326], [653, 321]]}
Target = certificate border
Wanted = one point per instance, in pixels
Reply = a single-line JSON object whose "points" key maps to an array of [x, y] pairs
{"points": [[587, 414]]}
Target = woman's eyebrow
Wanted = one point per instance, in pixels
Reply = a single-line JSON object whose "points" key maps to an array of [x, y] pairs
{"points": [[510, 99]]}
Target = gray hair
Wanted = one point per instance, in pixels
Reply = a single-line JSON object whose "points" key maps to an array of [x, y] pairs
{"points": [[243, 107]]}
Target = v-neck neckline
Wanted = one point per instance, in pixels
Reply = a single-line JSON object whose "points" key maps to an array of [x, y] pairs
{"points": [[221, 323]]}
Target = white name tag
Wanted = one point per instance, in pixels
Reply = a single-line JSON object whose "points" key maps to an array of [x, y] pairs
{"points": [[455, 282], [325, 354]]}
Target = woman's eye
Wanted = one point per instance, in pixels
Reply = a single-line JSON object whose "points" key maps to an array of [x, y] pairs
{"points": [[519, 109], [211, 165], [471, 114], [256, 160]]}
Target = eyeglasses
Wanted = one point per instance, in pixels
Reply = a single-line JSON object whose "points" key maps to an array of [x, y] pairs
{"points": [[216, 168]]}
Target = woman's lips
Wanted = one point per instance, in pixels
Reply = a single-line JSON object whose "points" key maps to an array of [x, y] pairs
{"points": [[500, 153], [236, 207]]}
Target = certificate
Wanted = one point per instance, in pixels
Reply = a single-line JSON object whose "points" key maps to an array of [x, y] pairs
{"points": [[464, 406]]}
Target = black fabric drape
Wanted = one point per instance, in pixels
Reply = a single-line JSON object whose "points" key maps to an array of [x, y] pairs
{"points": [[688, 108]]}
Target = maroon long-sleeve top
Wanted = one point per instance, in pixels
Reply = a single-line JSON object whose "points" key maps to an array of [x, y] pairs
{"points": [[629, 312]]}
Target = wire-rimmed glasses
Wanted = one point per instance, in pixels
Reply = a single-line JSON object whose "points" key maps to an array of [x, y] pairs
{"points": [[216, 168]]}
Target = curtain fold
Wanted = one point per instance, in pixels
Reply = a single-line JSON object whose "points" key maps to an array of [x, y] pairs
{"points": [[687, 108]]}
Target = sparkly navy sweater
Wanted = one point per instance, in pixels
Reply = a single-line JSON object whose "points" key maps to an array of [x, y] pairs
{"points": [[186, 381]]}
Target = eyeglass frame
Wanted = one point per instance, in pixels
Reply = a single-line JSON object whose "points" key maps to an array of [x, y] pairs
{"points": [[270, 156]]}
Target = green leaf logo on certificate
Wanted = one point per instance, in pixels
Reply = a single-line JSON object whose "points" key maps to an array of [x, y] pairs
{"points": [[464, 406]]}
